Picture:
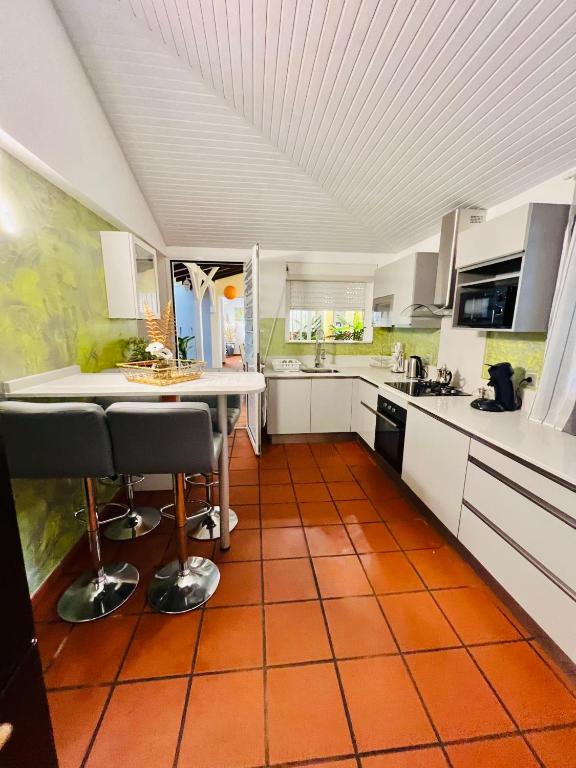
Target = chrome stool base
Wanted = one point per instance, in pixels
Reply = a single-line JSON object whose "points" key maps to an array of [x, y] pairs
{"points": [[139, 522], [209, 528], [91, 597], [176, 590]]}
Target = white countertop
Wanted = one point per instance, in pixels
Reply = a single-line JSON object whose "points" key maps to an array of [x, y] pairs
{"points": [[70, 382], [512, 431]]}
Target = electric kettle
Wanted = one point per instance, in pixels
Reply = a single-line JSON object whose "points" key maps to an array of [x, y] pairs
{"points": [[416, 368]]}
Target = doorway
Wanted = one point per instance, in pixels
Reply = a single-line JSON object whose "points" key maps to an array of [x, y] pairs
{"points": [[209, 312]]}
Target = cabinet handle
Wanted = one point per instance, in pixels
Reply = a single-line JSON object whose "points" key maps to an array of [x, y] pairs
{"points": [[381, 416], [6, 730]]}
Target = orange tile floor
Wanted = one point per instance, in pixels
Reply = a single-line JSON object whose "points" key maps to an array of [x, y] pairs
{"points": [[346, 632]]}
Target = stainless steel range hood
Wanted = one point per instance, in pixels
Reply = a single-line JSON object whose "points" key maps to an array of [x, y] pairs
{"points": [[452, 223]]}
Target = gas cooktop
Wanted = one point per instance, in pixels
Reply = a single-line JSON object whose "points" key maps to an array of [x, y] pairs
{"points": [[420, 388]]}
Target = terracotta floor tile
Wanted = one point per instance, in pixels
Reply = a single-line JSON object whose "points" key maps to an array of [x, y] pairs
{"points": [[312, 492], [74, 715], [240, 584], [357, 627], [357, 511], [319, 513], [397, 508], [305, 475], [280, 515], [494, 753], [324, 453], [245, 545], [244, 494], [275, 477], [474, 616], [429, 757], [269, 449], [529, 688], [346, 491], [243, 462], [448, 677], [276, 494], [299, 455], [336, 473], [231, 638], [556, 748], [415, 534], [145, 552], [380, 493], [370, 472], [51, 638], [371, 537], [328, 540], [354, 454], [278, 543], [306, 717], [243, 477], [248, 516], [92, 652], [162, 645], [341, 576], [391, 572], [295, 632], [334, 764], [417, 622], [224, 725], [443, 568], [288, 580], [565, 670], [384, 716], [153, 711]]}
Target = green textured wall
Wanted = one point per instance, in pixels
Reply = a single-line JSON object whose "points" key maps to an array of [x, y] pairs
{"points": [[53, 313], [422, 342], [521, 350]]}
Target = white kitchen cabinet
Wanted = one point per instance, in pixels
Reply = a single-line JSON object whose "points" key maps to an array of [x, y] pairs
{"points": [[498, 237], [398, 285], [434, 465], [364, 402], [331, 405], [131, 274], [288, 406]]}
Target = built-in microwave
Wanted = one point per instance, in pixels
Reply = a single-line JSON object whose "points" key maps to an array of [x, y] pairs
{"points": [[490, 305]]}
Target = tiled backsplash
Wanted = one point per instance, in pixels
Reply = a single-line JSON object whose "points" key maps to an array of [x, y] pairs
{"points": [[524, 350], [416, 342]]}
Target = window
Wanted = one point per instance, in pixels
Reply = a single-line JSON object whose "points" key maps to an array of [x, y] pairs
{"points": [[335, 307]]}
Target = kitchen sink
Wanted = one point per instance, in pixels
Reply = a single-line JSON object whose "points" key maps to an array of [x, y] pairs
{"points": [[319, 370]]}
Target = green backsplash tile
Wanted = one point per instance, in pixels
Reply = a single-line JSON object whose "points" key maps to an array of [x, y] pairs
{"points": [[521, 350], [53, 313], [416, 342]]}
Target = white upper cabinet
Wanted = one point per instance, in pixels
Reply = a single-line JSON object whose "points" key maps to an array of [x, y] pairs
{"points": [[131, 273], [402, 283], [498, 237]]}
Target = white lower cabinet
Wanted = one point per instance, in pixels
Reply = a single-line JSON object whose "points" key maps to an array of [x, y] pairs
{"points": [[367, 401], [546, 603], [434, 465], [331, 405], [288, 406]]}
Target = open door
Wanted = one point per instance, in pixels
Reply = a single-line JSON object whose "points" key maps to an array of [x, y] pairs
{"points": [[252, 345]]}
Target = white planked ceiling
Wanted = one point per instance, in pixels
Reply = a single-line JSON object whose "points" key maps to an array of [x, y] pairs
{"points": [[330, 124]]}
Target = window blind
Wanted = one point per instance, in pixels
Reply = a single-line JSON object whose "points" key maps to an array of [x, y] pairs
{"points": [[327, 294]]}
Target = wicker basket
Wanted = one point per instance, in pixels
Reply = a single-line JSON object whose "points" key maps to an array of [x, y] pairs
{"points": [[162, 375]]}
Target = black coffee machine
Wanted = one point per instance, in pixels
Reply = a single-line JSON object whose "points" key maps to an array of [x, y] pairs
{"points": [[505, 397]]}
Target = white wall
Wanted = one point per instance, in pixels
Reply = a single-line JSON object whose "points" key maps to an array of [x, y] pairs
{"points": [[51, 119]]}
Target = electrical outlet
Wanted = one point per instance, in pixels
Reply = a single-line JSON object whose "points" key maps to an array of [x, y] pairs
{"points": [[531, 384]]}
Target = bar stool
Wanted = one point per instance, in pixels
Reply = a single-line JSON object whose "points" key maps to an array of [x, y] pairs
{"points": [[209, 527], [52, 440], [173, 438], [139, 519]]}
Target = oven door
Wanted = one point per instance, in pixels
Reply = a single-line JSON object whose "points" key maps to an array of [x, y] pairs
{"points": [[389, 440]]}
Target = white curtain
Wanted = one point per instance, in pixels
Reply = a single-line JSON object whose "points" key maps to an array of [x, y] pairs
{"points": [[555, 401]]}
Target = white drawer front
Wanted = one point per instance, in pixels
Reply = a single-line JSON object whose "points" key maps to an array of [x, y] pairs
{"points": [[539, 485], [545, 537], [548, 605]]}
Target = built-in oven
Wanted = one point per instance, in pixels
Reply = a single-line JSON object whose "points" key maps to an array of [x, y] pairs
{"points": [[390, 430], [489, 305]]}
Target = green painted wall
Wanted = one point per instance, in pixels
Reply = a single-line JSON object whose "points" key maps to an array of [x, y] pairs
{"points": [[53, 313], [416, 342], [524, 350]]}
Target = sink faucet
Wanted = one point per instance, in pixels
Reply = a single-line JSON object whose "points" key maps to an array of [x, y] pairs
{"points": [[320, 350]]}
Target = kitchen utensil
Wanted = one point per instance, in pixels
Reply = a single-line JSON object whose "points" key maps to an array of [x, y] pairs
{"points": [[397, 358], [416, 368], [444, 375]]}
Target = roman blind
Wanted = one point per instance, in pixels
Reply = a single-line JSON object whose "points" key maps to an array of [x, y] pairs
{"points": [[339, 296]]}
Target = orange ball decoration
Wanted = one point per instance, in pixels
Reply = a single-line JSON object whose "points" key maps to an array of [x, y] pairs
{"points": [[231, 292]]}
